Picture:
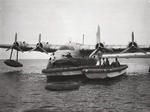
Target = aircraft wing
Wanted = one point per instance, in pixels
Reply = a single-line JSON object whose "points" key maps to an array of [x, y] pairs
{"points": [[128, 55], [31, 47], [5, 46], [86, 50], [116, 49], [26, 47]]}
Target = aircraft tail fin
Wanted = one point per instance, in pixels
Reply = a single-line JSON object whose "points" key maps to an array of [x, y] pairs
{"points": [[39, 37], [98, 35]]}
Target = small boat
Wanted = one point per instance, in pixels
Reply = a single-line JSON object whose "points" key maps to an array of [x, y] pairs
{"points": [[102, 73], [60, 86]]}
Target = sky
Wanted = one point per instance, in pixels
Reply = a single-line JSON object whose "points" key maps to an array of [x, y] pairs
{"points": [[60, 21]]}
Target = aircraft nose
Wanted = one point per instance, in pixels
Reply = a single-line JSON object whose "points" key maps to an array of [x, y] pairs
{"points": [[52, 57]]}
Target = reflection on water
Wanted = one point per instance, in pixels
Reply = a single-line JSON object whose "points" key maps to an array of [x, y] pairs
{"points": [[24, 89]]}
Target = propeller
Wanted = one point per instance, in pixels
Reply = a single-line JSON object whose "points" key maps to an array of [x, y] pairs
{"points": [[100, 47], [93, 53], [15, 45], [133, 47], [39, 46]]}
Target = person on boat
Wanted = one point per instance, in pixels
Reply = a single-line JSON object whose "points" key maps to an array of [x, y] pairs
{"points": [[99, 54], [117, 62], [49, 63], [104, 63], [107, 62], [113, 64], [69, 55], [52, 59]]}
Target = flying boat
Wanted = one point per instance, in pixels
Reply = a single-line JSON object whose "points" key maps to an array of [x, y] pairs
{"points": [[76, 50]]}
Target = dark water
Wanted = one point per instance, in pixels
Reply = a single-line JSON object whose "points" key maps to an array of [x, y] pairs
{"points": [[22, 89]]}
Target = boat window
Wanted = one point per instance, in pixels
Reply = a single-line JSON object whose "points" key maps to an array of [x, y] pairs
{"points": [[66, 48]]}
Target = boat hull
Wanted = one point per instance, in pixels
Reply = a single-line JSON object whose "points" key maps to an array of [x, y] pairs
{"points": [[99, 73]]}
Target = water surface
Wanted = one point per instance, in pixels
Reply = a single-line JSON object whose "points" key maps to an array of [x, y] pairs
{"points": [[23, 88]]}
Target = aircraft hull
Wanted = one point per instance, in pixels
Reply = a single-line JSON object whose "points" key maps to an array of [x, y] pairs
{"points": [[67, 69], [61, 74]]}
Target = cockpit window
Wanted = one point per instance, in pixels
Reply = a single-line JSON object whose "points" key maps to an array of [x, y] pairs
{"points": [[66, 48]]}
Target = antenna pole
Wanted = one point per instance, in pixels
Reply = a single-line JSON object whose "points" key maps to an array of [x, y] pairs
{"points": [[83, 40]]}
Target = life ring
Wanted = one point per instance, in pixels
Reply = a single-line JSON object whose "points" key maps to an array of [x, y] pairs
{"points": [[60, 86]]}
